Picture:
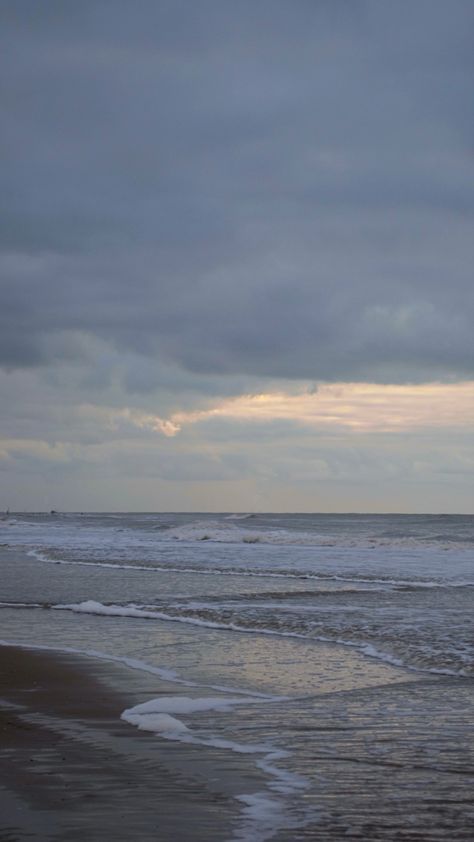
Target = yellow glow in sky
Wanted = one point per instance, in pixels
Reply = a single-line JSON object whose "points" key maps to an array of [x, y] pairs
{"points": [[362, 407]]}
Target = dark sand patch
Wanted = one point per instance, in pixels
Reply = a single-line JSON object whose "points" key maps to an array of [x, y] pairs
{"points": [[70, 769]]}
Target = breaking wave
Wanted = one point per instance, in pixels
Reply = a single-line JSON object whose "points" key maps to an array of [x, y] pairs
{"points": [[418, 657]]}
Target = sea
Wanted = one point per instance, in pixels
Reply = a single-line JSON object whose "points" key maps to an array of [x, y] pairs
{"points": [[333, 653]]}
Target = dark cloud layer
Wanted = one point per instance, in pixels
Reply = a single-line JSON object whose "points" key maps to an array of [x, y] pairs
{"points": [[274, 188]]}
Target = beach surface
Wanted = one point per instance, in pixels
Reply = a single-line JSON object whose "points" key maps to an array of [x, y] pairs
{"points": [[70, 768], [387, 762]]}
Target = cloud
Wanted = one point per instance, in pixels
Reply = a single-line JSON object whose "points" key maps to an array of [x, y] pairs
{"points": [[207, 203], [364, 408], [279, 191]]}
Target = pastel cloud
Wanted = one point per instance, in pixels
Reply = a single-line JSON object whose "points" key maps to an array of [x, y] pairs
{"points": [[362, 407]]}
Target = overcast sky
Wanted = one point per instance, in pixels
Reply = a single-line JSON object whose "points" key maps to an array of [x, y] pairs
{"points": [[236, 255]]}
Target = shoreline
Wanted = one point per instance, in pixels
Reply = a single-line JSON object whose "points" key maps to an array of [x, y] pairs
{"points": [[348, 746], [70, 767]]}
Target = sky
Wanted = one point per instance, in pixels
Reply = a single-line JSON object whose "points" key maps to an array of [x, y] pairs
{"points": [[236, 251]]}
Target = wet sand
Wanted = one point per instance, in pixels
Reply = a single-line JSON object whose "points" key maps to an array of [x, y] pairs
{"points": [[71, 769], [387, 762]]}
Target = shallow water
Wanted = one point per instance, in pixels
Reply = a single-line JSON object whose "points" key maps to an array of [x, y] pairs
{"points": [[341, 646], [397, 587]]}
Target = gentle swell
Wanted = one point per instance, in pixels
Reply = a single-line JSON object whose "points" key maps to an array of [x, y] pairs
{"points": [[137, 612], [246, 572]]}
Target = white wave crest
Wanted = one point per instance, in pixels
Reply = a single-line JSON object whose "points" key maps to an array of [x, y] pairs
{"points": [[133, 611], [217, 532]]}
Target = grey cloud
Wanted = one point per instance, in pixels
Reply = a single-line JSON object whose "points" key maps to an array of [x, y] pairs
{"points": [[270, 190]]}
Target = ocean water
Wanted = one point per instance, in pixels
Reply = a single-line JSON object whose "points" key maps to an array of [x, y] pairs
{"points": [[302, 641]]}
